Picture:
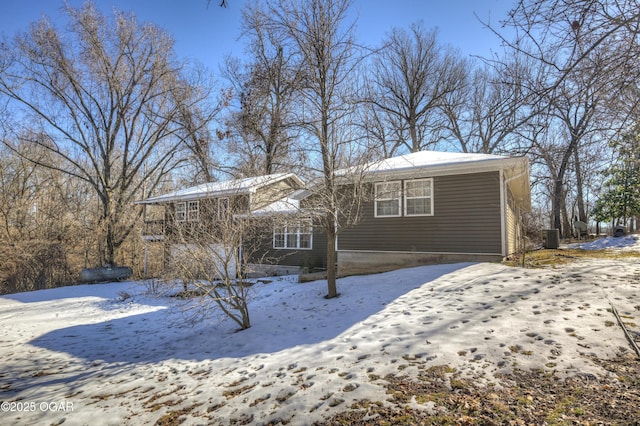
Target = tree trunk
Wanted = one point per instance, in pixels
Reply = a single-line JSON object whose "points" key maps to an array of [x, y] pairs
{"points": [[557, 203], [332, 290], [582, 211], [558, 190], [566, 218], [415, 143], [110, 255]]}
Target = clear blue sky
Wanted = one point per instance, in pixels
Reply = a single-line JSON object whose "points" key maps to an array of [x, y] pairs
{"points": [[209, 33]]}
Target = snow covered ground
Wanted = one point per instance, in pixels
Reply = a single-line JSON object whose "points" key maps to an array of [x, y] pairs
{"points": [[82, 355], [627, 243]]}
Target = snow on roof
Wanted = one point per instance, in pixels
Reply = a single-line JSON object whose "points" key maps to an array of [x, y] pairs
{"points": [[423, 159], [283, 206], [286, 205], [217, 189], [436, 162]]}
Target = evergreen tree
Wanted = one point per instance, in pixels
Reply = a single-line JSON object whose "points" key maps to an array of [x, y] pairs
{"points": [[621, 201]]}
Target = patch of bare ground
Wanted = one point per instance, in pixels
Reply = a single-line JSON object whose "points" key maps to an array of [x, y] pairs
{"points": [[552, 257], [439, 396], [175, 417]]}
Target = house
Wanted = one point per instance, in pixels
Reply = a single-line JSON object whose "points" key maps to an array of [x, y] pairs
{"points": [[424, 207], [437, 207], [185, 213]]}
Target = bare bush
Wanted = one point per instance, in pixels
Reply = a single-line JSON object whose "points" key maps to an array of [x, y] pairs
{"points": [[33, 265], [209, 259]]}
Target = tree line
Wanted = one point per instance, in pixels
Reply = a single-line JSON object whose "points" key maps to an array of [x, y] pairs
{"points": [[101, 112]]}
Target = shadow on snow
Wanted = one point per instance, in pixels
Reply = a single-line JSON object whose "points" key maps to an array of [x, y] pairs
{"points": [[283, 316]]}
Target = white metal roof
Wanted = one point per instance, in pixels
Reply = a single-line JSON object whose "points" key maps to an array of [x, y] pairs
{"points": [[432, 159], [220, 189]]}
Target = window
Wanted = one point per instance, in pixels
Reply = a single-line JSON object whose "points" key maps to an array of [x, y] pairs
{"points": [[418, 198], [387, 202], [193, 211], [297, 235], [181, 212], [188, 211]]}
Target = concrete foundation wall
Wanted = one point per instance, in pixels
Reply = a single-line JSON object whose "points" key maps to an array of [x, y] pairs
{"points": [[366, 262], [261, 270]]}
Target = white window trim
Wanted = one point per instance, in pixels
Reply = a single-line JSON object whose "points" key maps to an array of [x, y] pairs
{"points": [[406, 197], [185, 212], [182, 213], [196, 203], [376, 199], [298, 226]]}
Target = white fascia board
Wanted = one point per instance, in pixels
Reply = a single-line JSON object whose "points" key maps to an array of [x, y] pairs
{"points": [[436, 170]]}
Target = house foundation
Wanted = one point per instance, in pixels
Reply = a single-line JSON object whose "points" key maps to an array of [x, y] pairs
{"points": [[353, 262]]}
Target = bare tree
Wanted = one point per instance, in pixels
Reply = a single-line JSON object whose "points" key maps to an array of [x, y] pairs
{"points": [[572, 30], [586, 52], [44, 231], [197, 113], [385, 132], [103, 96], [486, 115], [266, 88], [318, 33], [214, 245], [413, 75], [209, 257]]}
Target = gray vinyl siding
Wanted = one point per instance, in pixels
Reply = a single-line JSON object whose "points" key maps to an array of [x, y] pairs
{"points": [[466, 219], [313, 258]]}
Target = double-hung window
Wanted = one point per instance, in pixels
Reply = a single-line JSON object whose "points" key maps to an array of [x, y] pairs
{"points": [[188, 211], [418, 197], [295, 235], [193, 211], [387, 199], [181, 212]]}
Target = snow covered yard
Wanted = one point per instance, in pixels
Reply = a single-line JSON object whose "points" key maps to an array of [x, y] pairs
{"points": [[82, 355]]}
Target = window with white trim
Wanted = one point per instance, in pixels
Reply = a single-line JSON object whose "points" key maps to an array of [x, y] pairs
{"points": [[418, 197], [181, 212], [387, 199], [193, 211], [295, 235], [188, 211]]}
